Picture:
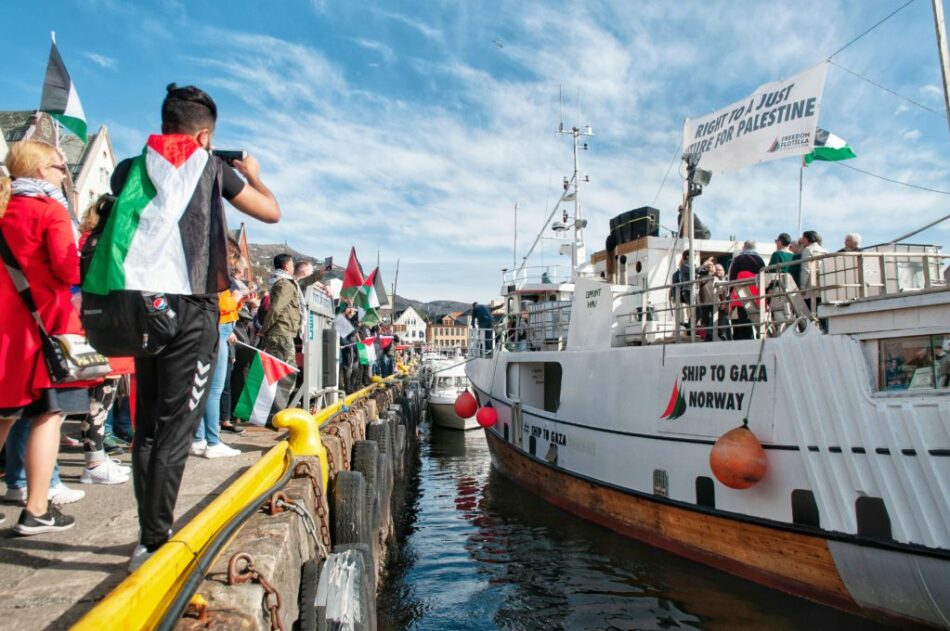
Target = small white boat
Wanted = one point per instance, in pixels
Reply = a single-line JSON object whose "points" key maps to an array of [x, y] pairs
{"points": [[447, 384]]}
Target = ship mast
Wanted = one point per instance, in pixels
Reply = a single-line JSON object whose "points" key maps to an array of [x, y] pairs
{"points": [[578, 253]]}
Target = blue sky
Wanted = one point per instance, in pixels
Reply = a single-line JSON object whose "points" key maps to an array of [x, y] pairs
{"points": [[413, 128]]}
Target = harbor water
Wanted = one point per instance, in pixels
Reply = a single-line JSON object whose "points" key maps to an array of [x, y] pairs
{"points": [[478, 552]]}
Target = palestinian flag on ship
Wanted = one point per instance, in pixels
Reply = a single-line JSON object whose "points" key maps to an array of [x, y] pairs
{"points": [[59, 96], [829, 148], [265, 379], [167, 231]]}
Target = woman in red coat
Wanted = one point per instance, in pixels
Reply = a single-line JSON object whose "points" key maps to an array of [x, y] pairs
{"points": [[36, 226]]}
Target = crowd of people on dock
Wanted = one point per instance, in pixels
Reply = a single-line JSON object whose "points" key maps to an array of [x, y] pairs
{"points": [[172, 280], [183, 276]]}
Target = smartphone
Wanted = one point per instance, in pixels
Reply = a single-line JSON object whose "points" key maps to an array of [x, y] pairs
{"points": [[228, 155]]}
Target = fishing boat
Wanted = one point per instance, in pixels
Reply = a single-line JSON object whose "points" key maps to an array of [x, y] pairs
{"points": [[448, 382], [812, 455]]}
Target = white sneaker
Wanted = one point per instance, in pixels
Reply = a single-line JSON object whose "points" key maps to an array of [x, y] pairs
{"points": [[198, 447], [221, 451], [106, 473], [62, 494], [139, 556], [15, 496], [121, 468]]}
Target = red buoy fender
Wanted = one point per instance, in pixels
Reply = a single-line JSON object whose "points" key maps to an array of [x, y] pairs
{"points": [[466, 405], [487, 415], [738, 459]]}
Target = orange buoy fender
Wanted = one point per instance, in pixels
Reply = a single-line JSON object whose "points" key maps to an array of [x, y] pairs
{"points": [[487, 415], [466, 405], [738, 459]]}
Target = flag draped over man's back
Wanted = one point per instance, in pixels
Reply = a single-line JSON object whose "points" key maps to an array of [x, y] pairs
{"points": [[264, 378], [157, 235], [59, 96]]}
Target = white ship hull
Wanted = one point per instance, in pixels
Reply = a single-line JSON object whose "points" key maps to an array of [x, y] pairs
{"points": [[854, 510], [443, 415]]}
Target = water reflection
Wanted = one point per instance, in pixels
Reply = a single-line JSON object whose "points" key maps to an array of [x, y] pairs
{"points": [[479, 552]]}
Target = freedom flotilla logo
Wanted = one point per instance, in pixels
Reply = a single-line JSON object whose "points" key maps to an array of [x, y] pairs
{"points": [[677, 405]]}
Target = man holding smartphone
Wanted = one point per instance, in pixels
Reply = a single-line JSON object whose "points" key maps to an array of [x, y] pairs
{"points": [[177, 246]]}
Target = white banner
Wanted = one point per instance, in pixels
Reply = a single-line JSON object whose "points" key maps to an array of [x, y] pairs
{"points": [[778, 120]]}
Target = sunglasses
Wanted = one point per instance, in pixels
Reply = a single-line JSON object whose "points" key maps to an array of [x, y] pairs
{"points": [[59, 167]]}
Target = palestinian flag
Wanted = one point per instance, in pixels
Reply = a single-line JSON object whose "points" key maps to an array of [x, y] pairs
{"points": [[366, 350], [369, 316], [264, 379], [829, 148], [59, 96], [375, 290], [353, 280], [167, 231]]}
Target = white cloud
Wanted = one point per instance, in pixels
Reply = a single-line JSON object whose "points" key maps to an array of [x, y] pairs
{"points": [[932, 91], [101, 60], [427, 31], [384, 51], [432, 179]]}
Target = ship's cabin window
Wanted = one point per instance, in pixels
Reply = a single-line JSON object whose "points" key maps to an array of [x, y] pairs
{"points": [[535, 384], [914, 363], [504, 429], [532, 445]]}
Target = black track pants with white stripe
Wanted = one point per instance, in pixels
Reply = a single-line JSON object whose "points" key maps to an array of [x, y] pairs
{"points": [[171, 395]]}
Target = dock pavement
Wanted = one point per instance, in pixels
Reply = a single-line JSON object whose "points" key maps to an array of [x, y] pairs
{"points": [[50, 581]]}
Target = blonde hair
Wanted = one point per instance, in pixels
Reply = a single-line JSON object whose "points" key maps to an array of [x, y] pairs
{"points": [[24, 159], [28, 156], [4, 193]]}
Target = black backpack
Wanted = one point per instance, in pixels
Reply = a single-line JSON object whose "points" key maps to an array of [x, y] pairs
{"points": [[127, 323]]}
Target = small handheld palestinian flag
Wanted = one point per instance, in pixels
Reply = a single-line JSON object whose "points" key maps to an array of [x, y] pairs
{"points": [[366, 350], [375, 290], [265, 380], [59, 95], [352, 278]]}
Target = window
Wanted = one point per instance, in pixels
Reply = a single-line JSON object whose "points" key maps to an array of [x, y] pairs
{"points": [[913, 363]]}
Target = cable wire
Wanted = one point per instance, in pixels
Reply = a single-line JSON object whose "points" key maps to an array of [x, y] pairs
{"points": [[887, 89], [887, 179], [885, 19], [666, 175]]}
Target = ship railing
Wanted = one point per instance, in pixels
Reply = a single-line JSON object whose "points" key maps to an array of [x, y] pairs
{"points": [[541, 326], [773, 300], [481, 342], [537, 275]]}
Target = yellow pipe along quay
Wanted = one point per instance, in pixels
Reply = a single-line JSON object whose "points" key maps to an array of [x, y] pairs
{"points": [[142, 599]]}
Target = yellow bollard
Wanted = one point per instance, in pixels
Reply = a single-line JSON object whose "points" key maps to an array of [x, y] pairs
{"points": [[304, 436]]}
